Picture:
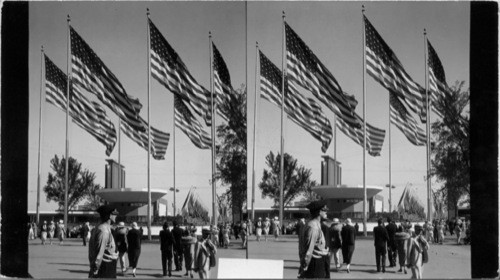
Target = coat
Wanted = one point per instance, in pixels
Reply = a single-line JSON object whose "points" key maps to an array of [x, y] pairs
{"points": [[380, 236], [391, 231], [348, 235], [335, 238], [166, 240], [121, 239]]}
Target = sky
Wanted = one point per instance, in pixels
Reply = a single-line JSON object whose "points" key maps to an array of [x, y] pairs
{"points": [[117, 32], [333, 31]]}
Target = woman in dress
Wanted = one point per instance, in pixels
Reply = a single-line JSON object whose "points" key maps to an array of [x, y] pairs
{"points": [[43, 230], [258, 227], [440, 229], [204, 249], [188, 242], [225, 234], [276, 228], [267, 225], [121, 244], [430, 233], [401, 238], [458, 230], [215, 235], [61, 232], [244, 234], [134, 237], [417, 248], [52, 230]]}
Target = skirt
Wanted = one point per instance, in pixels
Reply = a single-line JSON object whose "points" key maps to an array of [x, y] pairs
{"points": [[316, 269], [347, 252], [133, 257]]}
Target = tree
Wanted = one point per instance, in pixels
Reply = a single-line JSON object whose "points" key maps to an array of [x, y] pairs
{"points": [[232, 150], [451, 162], [93, 200], [297, 179], [81, 182]]}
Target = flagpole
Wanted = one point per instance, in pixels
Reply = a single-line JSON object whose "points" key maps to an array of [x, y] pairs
{"points": [[335, 148], [149, 127], [390, 166], [119, 152], [255, 126], [173, 134], [427, 126], [66, 177], [246, 85], [42, 65], [364, 125], [282, 148], [214, 210]]}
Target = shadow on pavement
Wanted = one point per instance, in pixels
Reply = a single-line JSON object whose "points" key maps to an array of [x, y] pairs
{"points": [[82, 264], [86, 272]]}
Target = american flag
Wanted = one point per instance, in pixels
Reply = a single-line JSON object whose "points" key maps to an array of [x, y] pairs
{"points": [[305, 112], [185, 120], [169, 70], [89, 72], [159, 139], [374, 136], [90, 116], [305, 69], [437, 78], [405, 122], [383, 65], [222, 82]]}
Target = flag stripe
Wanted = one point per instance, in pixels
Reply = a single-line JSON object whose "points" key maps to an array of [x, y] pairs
{"points": [[159, 139], [169, 70], [89, 72], [383, 65], [400, 117], [437, 78], [185, 120], [305, 69], [305, 112], [90, 116], [374, 136], [222, 81]]}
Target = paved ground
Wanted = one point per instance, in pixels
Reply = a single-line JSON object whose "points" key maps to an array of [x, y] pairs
{"points": [[70, 260]]}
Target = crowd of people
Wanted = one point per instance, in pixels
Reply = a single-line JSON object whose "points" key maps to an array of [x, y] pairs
{"points": [[48, 231], [320, 241], [109, 245]]}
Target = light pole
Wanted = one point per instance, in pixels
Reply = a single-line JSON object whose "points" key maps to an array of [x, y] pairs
{"points": [[390, 196], [174, 190]]}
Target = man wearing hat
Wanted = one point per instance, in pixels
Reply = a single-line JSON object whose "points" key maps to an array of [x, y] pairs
{"points": [[381, 237], [102, 248], [313, 248], [391, 245]]}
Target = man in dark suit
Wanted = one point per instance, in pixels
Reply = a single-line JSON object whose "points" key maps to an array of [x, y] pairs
{"points": [[381, 238], [177, 232], [348, 235], [391, 245], [166, 246]]}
